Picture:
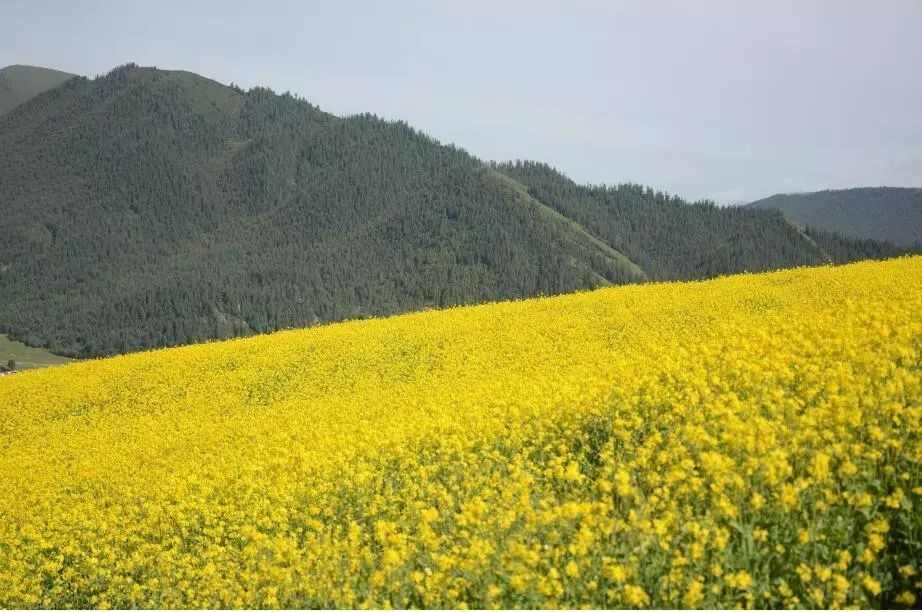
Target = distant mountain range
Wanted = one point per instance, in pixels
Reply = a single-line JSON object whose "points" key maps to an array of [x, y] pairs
{"points": [[21, 83], [150, 208], [879, 213]]}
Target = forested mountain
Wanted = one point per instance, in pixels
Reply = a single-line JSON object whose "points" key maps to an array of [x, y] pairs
{"points": [[671, 239], [20, 83], [149, 208], [877, 213]]}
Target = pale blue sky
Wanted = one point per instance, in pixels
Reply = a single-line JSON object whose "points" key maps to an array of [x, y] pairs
{"points": [[727, 100]]}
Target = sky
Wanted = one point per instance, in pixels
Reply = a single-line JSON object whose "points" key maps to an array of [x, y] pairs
{"points": [[725, 100]]}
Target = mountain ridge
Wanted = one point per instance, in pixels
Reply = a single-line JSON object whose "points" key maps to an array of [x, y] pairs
{"points": [[149, 208], [891, 214], [20, 83]]}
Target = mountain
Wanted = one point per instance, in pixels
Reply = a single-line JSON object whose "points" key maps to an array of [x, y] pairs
{"points": [[21, 83], [877, 213], [667, 237], [151, 208]]}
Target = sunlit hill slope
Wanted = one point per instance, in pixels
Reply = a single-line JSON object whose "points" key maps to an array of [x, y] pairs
{"points": [[751, 440]]}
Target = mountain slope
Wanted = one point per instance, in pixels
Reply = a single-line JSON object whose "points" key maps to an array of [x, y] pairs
{"points": [[21, 83], [876, 213], [673, 240], [569, 226], [150, 208]]}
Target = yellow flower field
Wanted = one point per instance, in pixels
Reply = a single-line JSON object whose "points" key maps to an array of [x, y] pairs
{"points": [[749, 441]]}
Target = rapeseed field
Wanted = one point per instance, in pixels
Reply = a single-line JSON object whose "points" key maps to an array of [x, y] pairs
{"points": [[752, 441]]}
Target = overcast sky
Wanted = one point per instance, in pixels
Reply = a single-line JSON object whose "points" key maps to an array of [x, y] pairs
{"points": [[731, 101]]}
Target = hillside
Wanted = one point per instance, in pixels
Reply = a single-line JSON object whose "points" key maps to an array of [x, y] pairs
{"points": [[152, 208], [21, 83], [877, 213], [748, 440], [671, 239]]}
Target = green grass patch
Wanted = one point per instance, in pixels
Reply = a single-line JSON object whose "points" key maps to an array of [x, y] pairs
{"points": [[27, 357]]}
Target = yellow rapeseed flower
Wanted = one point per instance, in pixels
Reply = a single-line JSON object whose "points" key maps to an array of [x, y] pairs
{"points": [[612, 448]]}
